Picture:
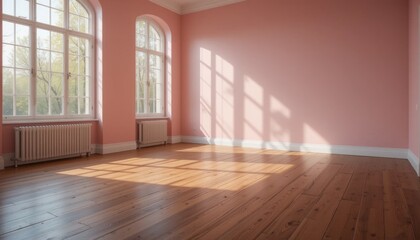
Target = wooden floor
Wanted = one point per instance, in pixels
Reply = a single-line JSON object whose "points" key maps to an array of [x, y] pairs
{"points": [[187, 191]]}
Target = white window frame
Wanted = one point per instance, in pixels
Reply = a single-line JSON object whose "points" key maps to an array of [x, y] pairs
{"points": [[147, 51], [65, 30]]}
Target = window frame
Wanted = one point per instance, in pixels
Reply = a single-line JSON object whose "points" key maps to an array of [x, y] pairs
{"points": [[151, 22], [67, 33]]}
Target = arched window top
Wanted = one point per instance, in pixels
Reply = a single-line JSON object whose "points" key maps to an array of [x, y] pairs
{"points": [[74, 15], [149, 35], [79, 17]]}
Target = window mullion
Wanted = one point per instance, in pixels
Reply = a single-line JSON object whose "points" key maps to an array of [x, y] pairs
{"points": [[66, 75], [32, 108]]}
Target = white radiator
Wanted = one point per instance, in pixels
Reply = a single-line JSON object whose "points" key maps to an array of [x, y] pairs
{"points": [[153, 132], [51, 142]]}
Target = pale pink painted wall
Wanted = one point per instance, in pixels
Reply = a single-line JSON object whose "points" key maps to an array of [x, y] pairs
{"points": [[323, 72], [414, 78], [118, 53]]}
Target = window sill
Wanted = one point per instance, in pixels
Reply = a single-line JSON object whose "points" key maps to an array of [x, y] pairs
{"points": [[151, 118], [29, 121]]}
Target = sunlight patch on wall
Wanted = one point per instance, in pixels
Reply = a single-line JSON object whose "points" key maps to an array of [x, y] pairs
{"points": [[206, 89], [312, 136], [279, 120], [225, 75], [253, 109]]}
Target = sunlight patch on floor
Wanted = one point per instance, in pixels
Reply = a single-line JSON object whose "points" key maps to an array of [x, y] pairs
{"points": [[232, 176]]}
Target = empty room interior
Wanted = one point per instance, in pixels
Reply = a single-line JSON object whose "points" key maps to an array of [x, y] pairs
{"points": [[210, 119]]}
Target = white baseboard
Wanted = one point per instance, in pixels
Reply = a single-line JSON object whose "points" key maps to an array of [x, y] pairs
{"points": [[415, 162], [115, 147], [174, 139], [316, 148], [7, 159]]}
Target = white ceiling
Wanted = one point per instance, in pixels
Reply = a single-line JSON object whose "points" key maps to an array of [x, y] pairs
{"points": [[190, 6]]}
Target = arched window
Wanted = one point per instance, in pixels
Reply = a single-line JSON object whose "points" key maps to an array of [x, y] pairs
{"points": [[150, 54], [47, 59]]}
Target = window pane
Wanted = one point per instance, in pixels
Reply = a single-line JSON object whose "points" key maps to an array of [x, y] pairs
{"points": [[8, 55], [140, 89], [83, 106], [155, 62], [74, 7], [22, 82], [155, 42], [42, 84], [73, 88], [73, 64], [22, 9], [56, 106], [9, 7], [141, 27], [83, 24], [159, 91], [79, 17], [43, 39], [152, 106], [74, 45], [42, 105], [44, 2], [57, 64], [22, 35], [8, 32], [141, 59], [23, 57], [83, 47], [57, 18], [22, 105], [73, 106], [152, 90], [83, 87], [83, 12], [154, 76], [57, 42], [140, 106], [8, 105], [82, 66], [43, 14], [74, 22], [141, 34], [57, 4], [159, 108], [57, 85], [43, 60], [8, 79]]}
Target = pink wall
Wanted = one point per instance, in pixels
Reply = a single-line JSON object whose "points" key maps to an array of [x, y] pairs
{"points": [[414, 51], [324, 72]]}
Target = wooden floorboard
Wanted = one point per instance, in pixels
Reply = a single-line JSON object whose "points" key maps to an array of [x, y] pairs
{"points": [[189, 191]]}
